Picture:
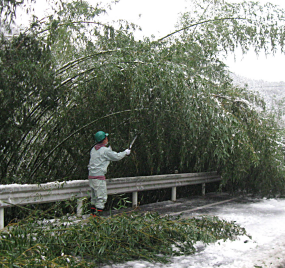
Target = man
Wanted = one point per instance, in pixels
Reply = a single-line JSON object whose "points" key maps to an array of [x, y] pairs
{"points": [[100, 158]]}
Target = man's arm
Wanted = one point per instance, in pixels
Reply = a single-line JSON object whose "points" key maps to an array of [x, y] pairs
{"points": [[114, 156]]}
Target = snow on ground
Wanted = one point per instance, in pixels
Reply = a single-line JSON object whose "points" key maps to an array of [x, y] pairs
{"points": [[264, 220]]}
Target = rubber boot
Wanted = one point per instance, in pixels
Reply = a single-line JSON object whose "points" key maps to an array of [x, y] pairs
{"points": [[99, 212], [93, 211], [96, 212]]}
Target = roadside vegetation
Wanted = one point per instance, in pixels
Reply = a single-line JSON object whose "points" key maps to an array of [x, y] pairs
{"points": [[68, 242]]}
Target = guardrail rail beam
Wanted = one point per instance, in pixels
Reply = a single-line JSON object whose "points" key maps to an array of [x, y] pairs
{"points": [[17, 194]]}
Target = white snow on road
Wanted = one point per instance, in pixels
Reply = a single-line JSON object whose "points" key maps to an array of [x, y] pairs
{"points": [[264, 220]]}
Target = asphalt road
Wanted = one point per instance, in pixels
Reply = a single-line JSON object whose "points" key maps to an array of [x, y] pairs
{"points": [[192, 204], [262, 218]]}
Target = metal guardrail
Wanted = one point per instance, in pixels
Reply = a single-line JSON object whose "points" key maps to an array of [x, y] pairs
{"points": [[17, 194]]}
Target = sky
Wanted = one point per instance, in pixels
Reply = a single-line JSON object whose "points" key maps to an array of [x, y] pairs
{"points": [[159, 17]]}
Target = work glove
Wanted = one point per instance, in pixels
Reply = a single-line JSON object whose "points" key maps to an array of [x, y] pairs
{"points": [[128, 151]]}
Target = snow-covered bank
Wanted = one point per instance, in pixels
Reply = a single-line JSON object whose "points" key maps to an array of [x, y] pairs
{"points": [[264, 220]]}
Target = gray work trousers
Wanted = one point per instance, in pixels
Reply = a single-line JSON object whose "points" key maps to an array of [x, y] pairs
{"points": [[98, 193]]}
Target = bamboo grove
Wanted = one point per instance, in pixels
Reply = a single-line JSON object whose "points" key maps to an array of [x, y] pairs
{"points": [[70, 75]]}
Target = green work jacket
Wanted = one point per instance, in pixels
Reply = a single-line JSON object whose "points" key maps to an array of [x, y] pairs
{"points": [[100, 160]]}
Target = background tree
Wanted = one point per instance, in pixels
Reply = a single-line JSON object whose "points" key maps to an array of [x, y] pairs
{"points": [[176, 92]]}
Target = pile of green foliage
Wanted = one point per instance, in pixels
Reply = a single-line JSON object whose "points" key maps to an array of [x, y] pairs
{"points": [[67, 242], [70, 75]]}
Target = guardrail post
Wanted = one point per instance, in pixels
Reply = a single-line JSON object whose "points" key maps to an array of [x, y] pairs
{"points": [[203, 189], [173, 194], [135, 199], [1, 218], [79, 207]]}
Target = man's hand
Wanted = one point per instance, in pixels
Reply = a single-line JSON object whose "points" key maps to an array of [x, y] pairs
{"points": [[128, 151]]}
